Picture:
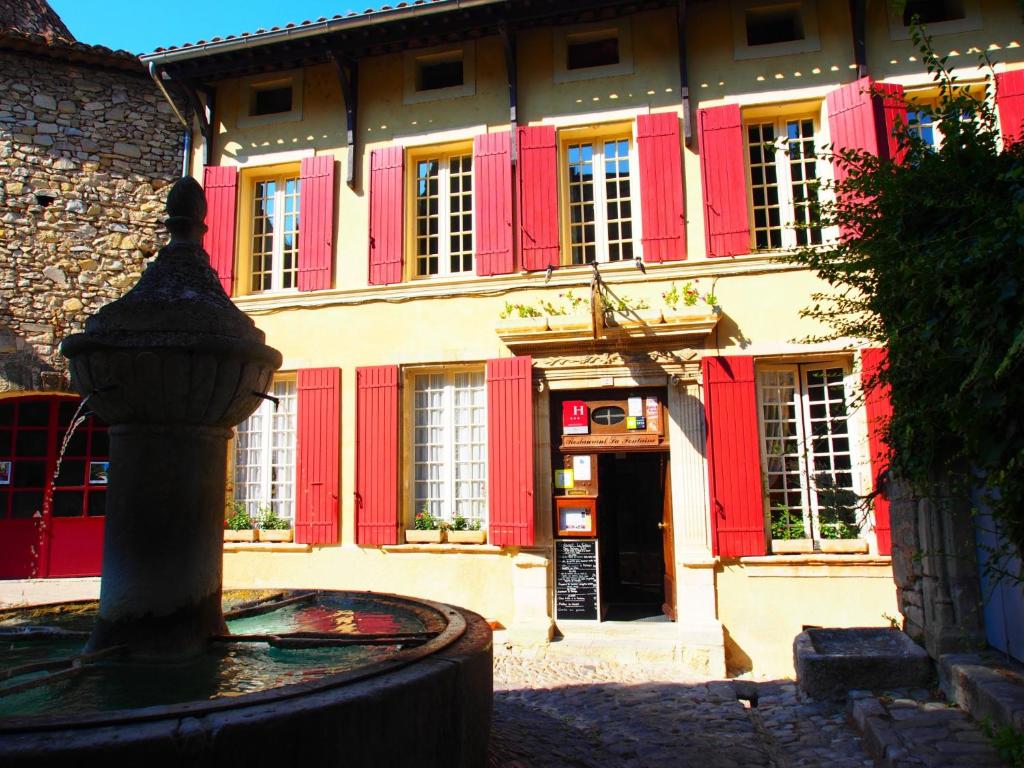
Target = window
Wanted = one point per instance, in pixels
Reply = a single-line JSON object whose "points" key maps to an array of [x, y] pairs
{"points": [[597, 181], [274, 242], [449, 445], [806, 451], [265, 455], [442, 220], [784, 183], [267, 100], [589, 51], [943, 17], [443, 72], [774, 24], [933, 11]]}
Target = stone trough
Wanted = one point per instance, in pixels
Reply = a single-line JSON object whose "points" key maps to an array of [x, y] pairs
{"points": [[830, 662]]}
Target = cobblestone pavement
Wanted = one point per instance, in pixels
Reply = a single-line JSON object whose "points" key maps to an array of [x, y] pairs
{"points": [[552, 712]]}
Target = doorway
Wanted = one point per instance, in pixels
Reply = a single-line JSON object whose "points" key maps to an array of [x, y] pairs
{"points": [[630, 530]]}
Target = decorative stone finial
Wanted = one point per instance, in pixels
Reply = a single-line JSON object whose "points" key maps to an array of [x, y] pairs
{"points": [[186, 211]]}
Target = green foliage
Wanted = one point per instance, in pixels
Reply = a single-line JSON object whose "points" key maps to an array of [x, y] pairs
{"points": [[787, 523], [239, 519], [519, 310], [459, 523], [1008, 743], [424, 521], [688, 296], [933, 269], [267, 520]]}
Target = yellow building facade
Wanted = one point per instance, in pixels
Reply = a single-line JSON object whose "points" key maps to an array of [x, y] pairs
{"points": [[600, 191]]}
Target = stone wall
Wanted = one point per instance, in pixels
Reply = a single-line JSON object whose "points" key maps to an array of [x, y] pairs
{"points": [[86, 157]]}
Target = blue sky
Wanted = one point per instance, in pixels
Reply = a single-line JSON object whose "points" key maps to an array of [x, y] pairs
{"points": [[140, 26]]}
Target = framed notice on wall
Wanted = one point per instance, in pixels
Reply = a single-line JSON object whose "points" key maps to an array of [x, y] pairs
{"points": [[576, 516]]}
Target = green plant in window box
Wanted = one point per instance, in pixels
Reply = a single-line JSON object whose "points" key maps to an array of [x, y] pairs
{"points": [[789, 536], [624, 312], [239, 526], [521, 318], [426, 528], [271, 527], [837, 518], [466, 531], [687, 302]]}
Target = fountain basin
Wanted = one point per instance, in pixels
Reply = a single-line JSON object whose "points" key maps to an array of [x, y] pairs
{"points": [[428, 705], [830, 662]]}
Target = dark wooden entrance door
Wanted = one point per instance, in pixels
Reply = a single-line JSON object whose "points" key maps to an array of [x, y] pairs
{"points": [[668, 607]]}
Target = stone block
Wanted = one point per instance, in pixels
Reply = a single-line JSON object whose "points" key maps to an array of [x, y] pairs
{"points": [[44, 101]]}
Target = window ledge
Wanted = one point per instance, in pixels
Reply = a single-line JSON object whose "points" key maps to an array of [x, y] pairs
{"points": [[817, 558], [269, 546], [473, 549]]}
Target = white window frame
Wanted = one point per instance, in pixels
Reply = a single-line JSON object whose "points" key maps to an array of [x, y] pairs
{"points": [[444, 212], [277, 240], [600, 201], [445, 505], [784, 178], [275, 486], [810, 508]]}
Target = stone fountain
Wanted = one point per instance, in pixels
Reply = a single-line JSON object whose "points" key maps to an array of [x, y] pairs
{"points": [[164, 677]]}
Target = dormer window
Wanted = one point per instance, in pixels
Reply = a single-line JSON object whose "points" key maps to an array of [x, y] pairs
{"points": [[774, 24]]}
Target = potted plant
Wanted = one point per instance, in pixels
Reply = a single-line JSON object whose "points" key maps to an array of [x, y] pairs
{"points": [[624, 312], [463, 531], [687, 303], [521, 318], [837, 518], [271, 527], [789, 537], [574, 315], [239, 526], [426, 529]]}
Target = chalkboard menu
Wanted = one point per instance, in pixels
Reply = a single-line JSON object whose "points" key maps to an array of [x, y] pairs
{"points": [[575, 579]]}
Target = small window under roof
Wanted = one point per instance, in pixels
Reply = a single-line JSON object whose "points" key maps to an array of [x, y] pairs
{"points": [[774, 24], [592, 49], [271, 99], [933, 11], [442, 71]]}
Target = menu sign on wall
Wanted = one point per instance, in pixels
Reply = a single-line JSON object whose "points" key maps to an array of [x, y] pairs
{"points": [[576, 579]]}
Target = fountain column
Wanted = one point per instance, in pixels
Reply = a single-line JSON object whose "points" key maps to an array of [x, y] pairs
{"points": [[171, 367]]}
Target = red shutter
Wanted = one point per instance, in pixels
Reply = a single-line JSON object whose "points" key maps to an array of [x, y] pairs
{"points": [[894, 109], [1010, 103], [879, 410], [316, 462], [386, 219], [855, 120], [316, 223], [492, 202], [220, 182], [538, 197], [377, 455], [724, 178], [510, 451], [734, 457], [661, 187]]}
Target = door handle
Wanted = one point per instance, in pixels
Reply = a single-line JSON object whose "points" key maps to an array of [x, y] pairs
{"points": [[661, 526]]}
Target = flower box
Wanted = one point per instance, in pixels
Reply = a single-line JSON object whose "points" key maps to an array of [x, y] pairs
{"points": [[467, 537], [633, 318], [686, 315], [246, 534], [416, 536], [844, 546], [574, 322], [279, 534], [792, 546], [522, 325]]}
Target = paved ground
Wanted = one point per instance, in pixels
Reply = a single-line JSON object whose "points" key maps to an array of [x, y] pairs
{"points": [[559, 713]]}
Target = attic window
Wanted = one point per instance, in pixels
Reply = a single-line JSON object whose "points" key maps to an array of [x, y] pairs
{"points": [[933, 11], [592, 49], [270, 99], [768, 25], [439, 71]]}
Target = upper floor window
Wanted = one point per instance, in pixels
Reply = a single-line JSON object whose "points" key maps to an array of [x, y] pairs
{"points": [[784, 182], [274, 240], [442, 213], [266, 100], [806, 451], [593, 50], [599, 198], [933, 11], [942, 17], [443, 72], [265, 456], [774, 28], [270, 99], [449, 444]]}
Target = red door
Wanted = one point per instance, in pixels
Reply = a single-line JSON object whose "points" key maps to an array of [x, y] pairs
{"points": [[51, 518]]}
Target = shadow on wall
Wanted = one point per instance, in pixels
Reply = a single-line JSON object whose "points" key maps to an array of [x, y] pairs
{"points": [[22, 369], [737, 662]]}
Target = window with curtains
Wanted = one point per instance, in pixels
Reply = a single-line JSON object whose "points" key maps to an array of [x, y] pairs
{"points": [[449, 444], [264, 471], [784, 179], [808, 457], [273, 223], [441, 205], [598, 184]]}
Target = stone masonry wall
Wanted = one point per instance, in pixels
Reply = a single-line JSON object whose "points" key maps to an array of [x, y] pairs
{"points": [[86, 158]]}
